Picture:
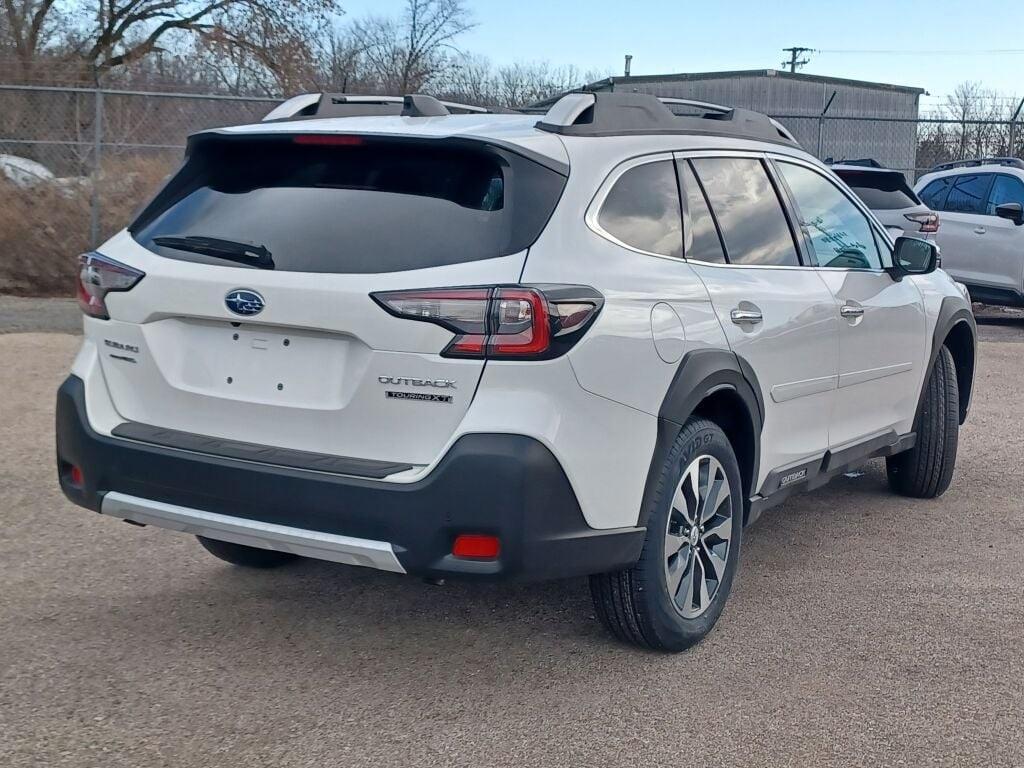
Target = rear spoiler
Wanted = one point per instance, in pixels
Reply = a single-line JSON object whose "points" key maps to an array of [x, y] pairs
{"points": [[466, 140]]}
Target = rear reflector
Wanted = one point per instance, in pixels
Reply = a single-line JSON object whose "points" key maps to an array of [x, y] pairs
{"points": [[476, 547], [77, 478], [929, 222], [511, 323]]}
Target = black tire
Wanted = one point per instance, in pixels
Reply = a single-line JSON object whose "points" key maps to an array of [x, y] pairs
{"points": [[248, 557], [926, 470], [635, 605]]}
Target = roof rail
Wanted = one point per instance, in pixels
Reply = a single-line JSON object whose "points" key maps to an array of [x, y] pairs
{"points": [[316, 105], [1010, 162], [621, 114]]}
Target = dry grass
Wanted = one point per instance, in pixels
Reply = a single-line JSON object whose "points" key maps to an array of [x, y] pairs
{"points": [[43, 229]]}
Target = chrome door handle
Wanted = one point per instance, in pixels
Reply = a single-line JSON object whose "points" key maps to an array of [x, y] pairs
{"points": [[746, 316], [850, 310], [979, 230]]}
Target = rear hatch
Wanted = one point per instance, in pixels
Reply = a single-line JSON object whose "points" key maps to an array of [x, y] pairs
{"points": [[254, 321], [892, 201]]}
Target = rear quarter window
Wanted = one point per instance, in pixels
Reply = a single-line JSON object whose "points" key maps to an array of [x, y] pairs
{"points": [[361, 206], [642, 209]]}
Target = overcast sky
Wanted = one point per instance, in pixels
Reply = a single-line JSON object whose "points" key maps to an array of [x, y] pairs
{"points": [[686, 36]]}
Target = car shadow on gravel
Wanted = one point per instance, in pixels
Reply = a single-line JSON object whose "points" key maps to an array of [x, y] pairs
{"points": [[349, 612]]}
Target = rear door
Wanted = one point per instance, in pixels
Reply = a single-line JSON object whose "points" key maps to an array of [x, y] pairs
{"points": [[777, 313], [962, 236], [278, 342], [882, 330]]}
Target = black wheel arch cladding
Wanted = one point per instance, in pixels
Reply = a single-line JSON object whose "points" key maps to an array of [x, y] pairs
{"points": [[955, 328], [713, 383]]}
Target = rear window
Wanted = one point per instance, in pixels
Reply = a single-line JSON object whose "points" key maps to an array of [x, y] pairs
{"points": [[880, 191], [748, 210], [358, 205]]}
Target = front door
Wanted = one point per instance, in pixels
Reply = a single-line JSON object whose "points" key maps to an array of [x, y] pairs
{"points": [[882, 331]]}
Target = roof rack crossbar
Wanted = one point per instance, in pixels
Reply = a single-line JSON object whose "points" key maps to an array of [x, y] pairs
{"points": [[599, 113], [693, 103], [314, 105]]}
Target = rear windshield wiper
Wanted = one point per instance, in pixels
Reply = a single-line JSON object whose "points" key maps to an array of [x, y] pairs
{"points": [[229, 250]]}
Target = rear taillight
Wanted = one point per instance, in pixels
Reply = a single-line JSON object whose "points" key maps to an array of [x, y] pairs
{"points": [[929, 222], [99, 275], [513, 322]]}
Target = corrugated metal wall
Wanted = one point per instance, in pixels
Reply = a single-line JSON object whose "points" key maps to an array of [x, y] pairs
{"points": [[892, 144]]}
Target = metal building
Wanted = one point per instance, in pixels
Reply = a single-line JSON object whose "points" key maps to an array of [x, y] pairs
{"points": [[798, 101]]}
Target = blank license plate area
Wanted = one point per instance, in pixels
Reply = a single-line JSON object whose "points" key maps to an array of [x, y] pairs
{"points": [[274, 366]]}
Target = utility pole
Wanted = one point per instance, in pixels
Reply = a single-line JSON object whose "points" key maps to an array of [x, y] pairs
{"points": [[794, 61]]}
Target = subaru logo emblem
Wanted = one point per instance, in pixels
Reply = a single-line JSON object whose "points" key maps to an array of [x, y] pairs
{"points": [[244, 302]]}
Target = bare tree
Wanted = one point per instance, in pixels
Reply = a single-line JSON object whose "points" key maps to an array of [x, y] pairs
{"points": [[407, 53], [27, 28]]}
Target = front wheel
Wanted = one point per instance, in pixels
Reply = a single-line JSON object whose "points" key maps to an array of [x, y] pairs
{"points": [[675, 593], [926, 470]]}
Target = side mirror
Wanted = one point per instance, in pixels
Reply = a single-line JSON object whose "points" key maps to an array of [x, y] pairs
{"points": [[913, 256], [1012, 211]]}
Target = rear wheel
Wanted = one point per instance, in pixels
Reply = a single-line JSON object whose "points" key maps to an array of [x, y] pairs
{"points": [[249, 557], [926, 470], [675, 593]]}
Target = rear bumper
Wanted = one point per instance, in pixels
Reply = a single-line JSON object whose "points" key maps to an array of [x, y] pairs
{"points": [[509, 486]]}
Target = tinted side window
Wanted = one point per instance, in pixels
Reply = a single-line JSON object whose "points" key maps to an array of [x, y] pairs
{"points": [[934, 195], [840, 234], [1005, 189], [700, 233], [748, 210], [642, 209], [968, 194]]}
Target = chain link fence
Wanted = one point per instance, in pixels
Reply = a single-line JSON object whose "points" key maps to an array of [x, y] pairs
{"points": [[76, 163]]}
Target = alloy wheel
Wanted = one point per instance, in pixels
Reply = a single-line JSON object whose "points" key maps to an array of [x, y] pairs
{"points": [[698, 536]]}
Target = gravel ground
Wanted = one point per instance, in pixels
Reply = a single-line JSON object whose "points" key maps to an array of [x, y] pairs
{"points": [[23, 315], [864, 629]]}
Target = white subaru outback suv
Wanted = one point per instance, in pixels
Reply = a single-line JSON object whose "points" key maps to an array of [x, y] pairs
{"points": [[487, 346]]}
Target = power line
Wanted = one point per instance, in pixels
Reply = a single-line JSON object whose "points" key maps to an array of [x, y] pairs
{"points": [[921, 52]]}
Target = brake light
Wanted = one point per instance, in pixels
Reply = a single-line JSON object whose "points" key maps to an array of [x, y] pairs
{"points": [[516, 322], [929, 222], [99, 275], [328, 140]]}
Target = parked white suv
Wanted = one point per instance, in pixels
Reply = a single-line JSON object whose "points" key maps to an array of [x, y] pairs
{"points": [[486, 345], [982, 233]]}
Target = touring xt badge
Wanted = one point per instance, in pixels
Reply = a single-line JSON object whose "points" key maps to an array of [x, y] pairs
{"points": [[423, 397]]}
